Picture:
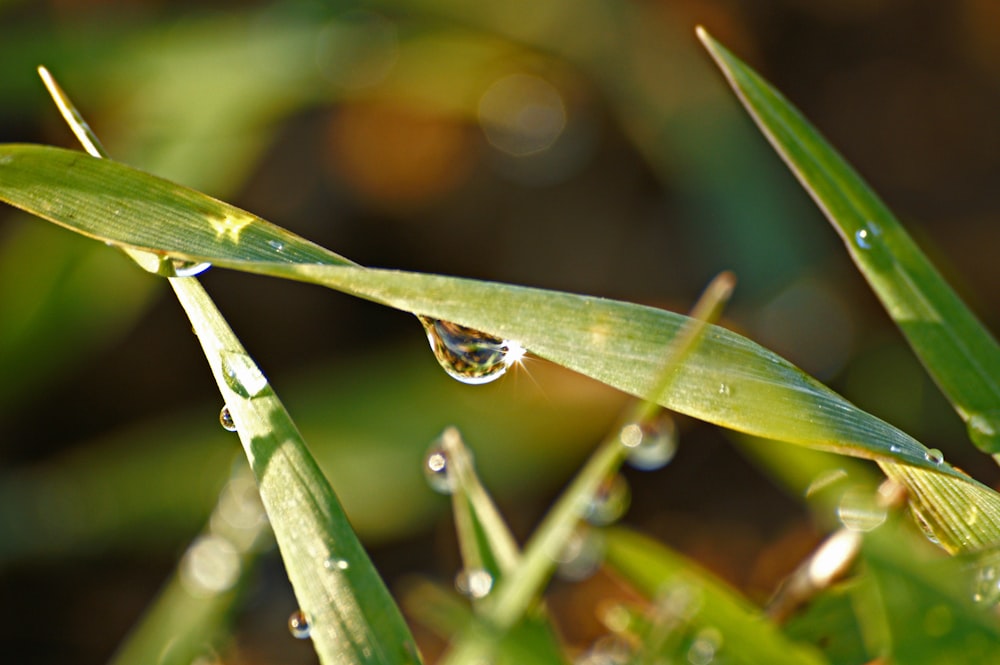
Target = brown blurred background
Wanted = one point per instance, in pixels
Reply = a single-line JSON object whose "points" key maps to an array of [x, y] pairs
{"points": [[579, 145]]}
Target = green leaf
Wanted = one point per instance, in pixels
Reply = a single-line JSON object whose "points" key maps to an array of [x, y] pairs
{"points": [[926, 602], [726, 379], [662, 575], [353, 617], [961, 355]]}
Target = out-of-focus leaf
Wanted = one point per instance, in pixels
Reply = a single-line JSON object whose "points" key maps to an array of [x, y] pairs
{"points": [[831, 624], [926, 602], [668, 578]]}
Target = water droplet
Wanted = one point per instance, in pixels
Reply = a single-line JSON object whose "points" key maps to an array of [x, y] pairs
{"points": [[242, 375], [984, 430], [436, 470], [226, 420], [705, 646], [609, 502], [336, 564], [863, 238], [474, 583], [986, 582], [651, 444], [582, 554], [607, 650], [188, 268], [276, 245], [299, 626], [468, 355], [724, 389], [934, 456], [859, 510], [211, 565]]}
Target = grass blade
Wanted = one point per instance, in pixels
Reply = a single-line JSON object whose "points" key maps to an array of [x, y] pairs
{"points": [[960, 354], [661, 574], [353, 617], [726, 379]]}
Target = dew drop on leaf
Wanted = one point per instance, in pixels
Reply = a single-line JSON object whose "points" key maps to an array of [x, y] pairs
{"points": [[226, 420], [336, 564], [242, 375], [299, 625], [436, 470], [609, 502], [934, 456], [474, 583], [468, 355], [582, 554], [651, 444]]}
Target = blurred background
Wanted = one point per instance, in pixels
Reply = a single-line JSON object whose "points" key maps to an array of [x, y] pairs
{"points": [[580, 145]]}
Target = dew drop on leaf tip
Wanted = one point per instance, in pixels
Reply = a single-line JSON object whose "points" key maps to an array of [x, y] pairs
{"points": [[468, 355], [299, 625]]}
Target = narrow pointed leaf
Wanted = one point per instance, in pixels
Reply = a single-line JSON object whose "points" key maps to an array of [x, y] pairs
{"points": [[957, 350], [354, 619]]}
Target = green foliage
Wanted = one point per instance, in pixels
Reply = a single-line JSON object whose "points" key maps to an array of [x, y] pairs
{"points": [[909, 602]]}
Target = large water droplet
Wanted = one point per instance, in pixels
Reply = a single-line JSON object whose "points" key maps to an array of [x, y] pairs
{"points": [[299, 625], [226, 420], [651, 444], [859, 510], [242, 375], [984, 430], [609, 502], [475, 583], [468, 355]]}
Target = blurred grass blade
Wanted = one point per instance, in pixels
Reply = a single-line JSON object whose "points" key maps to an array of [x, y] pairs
{"points": [[484, 539], [529, 643], [193, 612], [353, 617], [696, 599], [926, 602], [961, 355]]}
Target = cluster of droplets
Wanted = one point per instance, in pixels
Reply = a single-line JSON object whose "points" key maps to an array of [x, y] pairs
{"points": [[468, 355], [650, 444]]}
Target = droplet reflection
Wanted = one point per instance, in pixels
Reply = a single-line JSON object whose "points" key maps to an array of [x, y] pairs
{"points": [[299, 625], [468, 355], [226, 420]]}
